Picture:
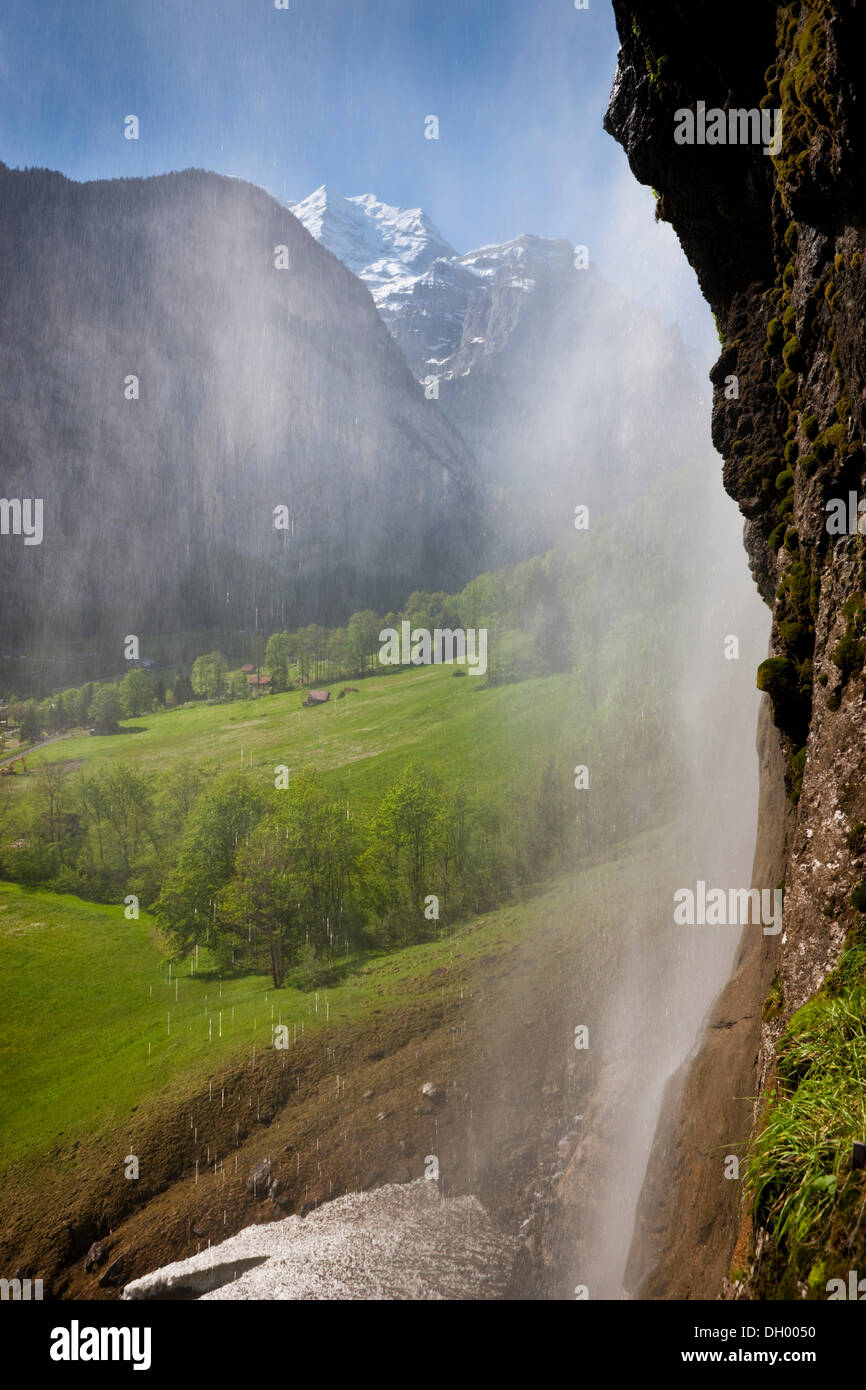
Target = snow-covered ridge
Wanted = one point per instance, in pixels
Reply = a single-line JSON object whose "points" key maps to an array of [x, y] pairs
{"points": [[422, 287], [376, 241]]}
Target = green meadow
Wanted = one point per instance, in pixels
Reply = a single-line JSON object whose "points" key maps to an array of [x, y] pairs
{"points": [[95, 1028], [494, 737], [93, 1023]]}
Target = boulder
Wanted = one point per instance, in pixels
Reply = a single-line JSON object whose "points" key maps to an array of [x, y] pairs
{"points": [[260, 1179], [113, 1276], [95, 1257]]}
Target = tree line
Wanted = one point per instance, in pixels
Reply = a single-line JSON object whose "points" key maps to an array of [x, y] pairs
{"points": [[268, 878], [522, 607]]}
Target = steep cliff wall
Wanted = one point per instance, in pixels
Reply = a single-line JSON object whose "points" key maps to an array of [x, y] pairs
{"points": [[777, 241], [169, 376]]}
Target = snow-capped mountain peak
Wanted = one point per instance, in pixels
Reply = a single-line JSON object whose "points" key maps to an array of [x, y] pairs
{"points": [[376, 241], [422, 287]]}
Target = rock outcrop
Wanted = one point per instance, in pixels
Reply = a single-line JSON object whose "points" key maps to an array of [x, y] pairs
{"points": [[777, 241]]}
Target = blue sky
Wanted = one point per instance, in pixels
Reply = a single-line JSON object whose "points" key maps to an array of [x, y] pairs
{"points": [[330, 91], [336, 92]]}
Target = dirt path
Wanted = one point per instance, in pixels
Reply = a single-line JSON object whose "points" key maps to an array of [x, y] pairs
{"points": [[34, 747]]}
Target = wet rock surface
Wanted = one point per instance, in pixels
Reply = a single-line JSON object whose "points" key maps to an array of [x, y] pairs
{"points": [[778, 247]]}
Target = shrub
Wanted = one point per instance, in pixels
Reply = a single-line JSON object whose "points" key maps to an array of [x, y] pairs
{"points": [[777, 535], [792, 355], [829, 441], [786, 383], [779, 677], [796, 637], [848, 654], [774, 336], [856, 840]]}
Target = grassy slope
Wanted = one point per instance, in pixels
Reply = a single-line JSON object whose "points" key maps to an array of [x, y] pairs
{"points": [[803, 1188], [83, 991], [463, 731], [456, 1010]]}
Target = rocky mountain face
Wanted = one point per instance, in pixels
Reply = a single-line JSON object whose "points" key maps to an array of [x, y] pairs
{"points": [[564, 391], [423, 288], [416, 278], [777, 241], [379, 243], [178, 359], [542, 366]]}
